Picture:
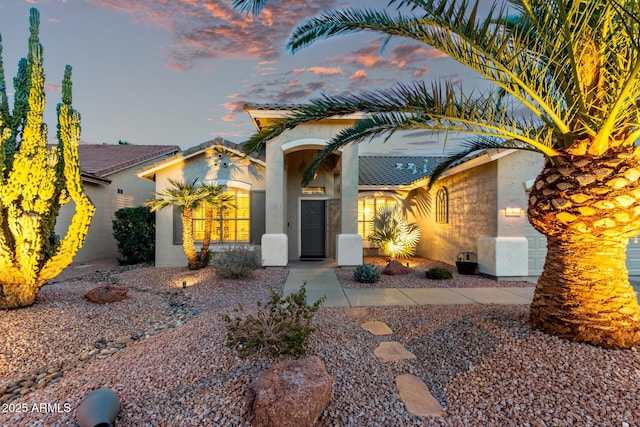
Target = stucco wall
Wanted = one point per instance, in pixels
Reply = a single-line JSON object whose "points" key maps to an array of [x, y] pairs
{"points": [[206, 167], [295, 164], [472, 203], [287, 156], [513, 171], [107, 199]]}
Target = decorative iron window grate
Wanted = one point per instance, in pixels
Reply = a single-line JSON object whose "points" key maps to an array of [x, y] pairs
{"points": [[442, 206]]}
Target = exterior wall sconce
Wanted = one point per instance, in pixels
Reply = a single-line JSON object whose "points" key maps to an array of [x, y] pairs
{"points": [[513, 212]]}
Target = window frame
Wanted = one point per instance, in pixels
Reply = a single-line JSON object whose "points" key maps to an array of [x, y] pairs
{"points": [[362, 223], [442, 206], [223, 218]]}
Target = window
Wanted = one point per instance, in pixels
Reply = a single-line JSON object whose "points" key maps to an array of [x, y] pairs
{"points": [[442, 206], [230, 225], [367, 207]]}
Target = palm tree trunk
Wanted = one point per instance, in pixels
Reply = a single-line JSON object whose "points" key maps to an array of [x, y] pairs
{"points": [[208, 224], [584, 295], [187, 239], [588, 208]]}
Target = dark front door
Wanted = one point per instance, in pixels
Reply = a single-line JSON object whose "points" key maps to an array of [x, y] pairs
{"points": [[312, 226]]}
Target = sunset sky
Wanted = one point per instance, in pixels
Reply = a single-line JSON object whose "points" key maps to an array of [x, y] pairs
{"points": [[179, 71]]}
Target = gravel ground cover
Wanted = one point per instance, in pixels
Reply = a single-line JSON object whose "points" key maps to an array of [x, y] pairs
{"points": [[417, 279], [482, 362]]}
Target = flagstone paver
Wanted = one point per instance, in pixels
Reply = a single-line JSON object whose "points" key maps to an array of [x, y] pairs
{"points": [[417, 398], [377, 328], [392, 351]]}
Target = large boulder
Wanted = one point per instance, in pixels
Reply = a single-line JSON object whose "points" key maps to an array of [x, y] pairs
{"points": [[107, 293], [394, 268], [293, 393]]}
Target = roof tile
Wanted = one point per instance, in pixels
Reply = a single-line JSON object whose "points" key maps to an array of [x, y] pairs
{"points": [[103, 159]]}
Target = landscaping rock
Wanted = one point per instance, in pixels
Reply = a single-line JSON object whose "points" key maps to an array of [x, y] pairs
{"points": [[107, 293], [377, 328], [417, 398], [392, 351], [394, 268], [293, 393]]}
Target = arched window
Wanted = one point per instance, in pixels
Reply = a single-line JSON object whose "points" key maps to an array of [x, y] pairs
{"points": [[442, 206], [230, 225], [367, 207]]}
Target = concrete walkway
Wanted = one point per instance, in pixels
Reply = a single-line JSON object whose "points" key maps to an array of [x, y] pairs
{"points": [[322, 281]]}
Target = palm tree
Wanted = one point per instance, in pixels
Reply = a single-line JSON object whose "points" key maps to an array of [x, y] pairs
{"points": [[215, 201], [575, 66], [393, 234], [187, 196]]}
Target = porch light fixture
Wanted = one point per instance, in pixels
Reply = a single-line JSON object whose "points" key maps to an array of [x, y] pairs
{"points": [[512, 212], [313, 190]]}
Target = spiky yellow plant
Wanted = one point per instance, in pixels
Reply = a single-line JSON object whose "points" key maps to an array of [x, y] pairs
{"points": [[35, 181]]}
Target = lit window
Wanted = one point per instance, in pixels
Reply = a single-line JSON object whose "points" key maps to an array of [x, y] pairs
{"points": [[230, 225], [442, 206], [367, 208]]}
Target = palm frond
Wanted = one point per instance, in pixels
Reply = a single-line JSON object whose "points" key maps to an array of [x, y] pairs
{"points": [[393, 234], [542, 58], [253, 7], [474, 146]]}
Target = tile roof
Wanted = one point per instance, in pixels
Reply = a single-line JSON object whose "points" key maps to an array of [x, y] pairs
{"points": [[149, 171], [272, 107], [100, 160], [221, 142], [395, 170]]}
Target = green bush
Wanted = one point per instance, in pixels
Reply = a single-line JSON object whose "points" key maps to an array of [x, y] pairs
{"points": [[438, 273], [236, 262], [366, 273], [281, 326], [134, 231]]}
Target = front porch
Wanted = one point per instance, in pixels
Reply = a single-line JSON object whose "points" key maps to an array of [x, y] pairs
{"points": [[318, 220]]}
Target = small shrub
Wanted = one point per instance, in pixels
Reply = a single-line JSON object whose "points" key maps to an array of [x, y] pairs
{"points": [[438, 273], [134, 231], [366, 273], [281, 326], [237, 262]]}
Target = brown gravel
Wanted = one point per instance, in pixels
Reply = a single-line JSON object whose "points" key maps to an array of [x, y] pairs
{"points": [[482, 362], [417, 279]]}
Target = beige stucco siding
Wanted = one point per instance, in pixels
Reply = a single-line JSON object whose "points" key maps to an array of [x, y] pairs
{"points": [[100, 242], [207, 166], [478, 198], [514, 171], [296, 163], [472, 201]]}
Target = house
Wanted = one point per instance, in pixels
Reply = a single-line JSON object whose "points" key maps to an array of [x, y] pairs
{"points": [[109, 180], [477, 206]]}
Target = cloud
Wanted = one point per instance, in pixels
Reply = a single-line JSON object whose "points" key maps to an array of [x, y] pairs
{"points": [[358, 75], [408, 57], [326, 71], [209, 30], [50, 87]]}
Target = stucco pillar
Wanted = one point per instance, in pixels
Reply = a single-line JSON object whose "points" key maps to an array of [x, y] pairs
{"points": [[349, 242], [503, 258], [274, 242]]}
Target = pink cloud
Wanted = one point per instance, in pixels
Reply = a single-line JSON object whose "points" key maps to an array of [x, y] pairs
{"points": [[327, 71], [50, 87], [207, 30], [358, 75]]}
